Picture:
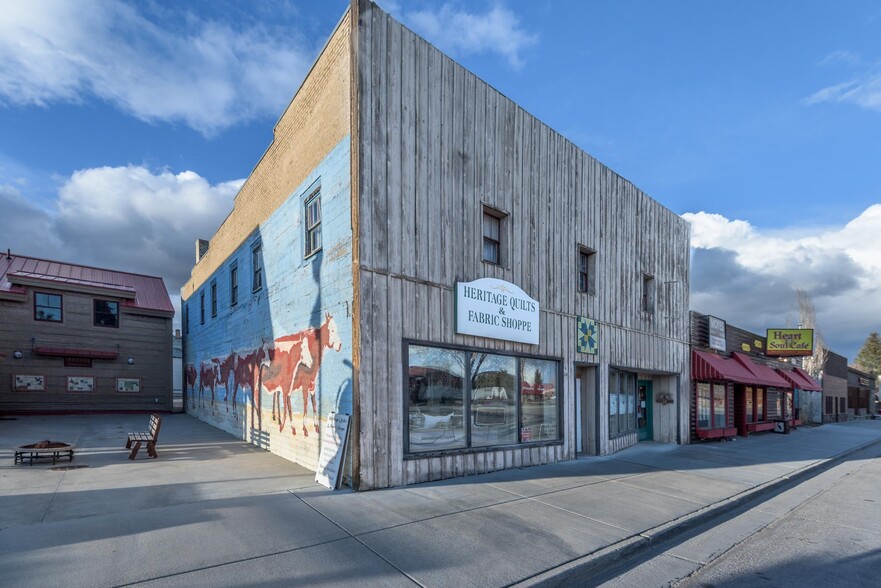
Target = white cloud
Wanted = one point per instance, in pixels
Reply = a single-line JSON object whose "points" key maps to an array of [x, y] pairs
{"points": [[209, 77], [459, 32], [128, 218], [748, 276], [864, 89]]}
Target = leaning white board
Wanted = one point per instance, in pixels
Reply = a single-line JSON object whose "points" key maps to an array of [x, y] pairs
{"points": [[333, 448]]}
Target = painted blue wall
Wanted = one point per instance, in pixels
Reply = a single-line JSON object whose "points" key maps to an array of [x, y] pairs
{"points": [[297, 294]]}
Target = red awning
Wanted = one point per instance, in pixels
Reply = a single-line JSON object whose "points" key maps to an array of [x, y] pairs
{"points": [[62, 352], [764, 375], [709, 366], [807, 382]]}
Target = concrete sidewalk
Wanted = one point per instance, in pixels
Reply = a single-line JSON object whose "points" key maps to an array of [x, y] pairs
{"points": [[214, 511]]}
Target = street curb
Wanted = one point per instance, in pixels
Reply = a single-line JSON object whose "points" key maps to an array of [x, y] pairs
{"points": [[576, 570]]}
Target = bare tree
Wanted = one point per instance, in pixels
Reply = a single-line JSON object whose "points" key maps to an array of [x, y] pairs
{"points": [[808, 320]]}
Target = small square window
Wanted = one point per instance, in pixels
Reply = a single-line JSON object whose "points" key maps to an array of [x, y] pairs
{"points": [[586, 270], [213, 298], [493, 222], [648, 293], [47, 307], [313, 224], [257, 268], [106, 313], [234, 284]]}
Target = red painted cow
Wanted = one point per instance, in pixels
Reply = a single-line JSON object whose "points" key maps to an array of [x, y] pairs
{"points": [[226, 368], [207, 379], [191, 377], [247, 376], [296, 368]]}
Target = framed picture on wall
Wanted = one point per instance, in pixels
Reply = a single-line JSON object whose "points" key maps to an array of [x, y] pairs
{"points": [[80, 383], [128, 384], [28, 383]]}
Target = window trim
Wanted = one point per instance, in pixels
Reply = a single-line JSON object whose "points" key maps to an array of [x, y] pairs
{"points": [[234, 283], [502, 217], [213, 287], [315, 227], [649, 294], [201, 307], [405, 366], [256, 267], [60, 307], [590, 272], [95, 313]]}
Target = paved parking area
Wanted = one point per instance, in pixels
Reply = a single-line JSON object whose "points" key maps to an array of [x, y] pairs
{"points": [[215, 511]]}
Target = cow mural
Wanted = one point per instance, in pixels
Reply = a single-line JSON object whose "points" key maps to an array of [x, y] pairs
{"points": [[294, 363], [207, 379], [247, 375], [191, 377], [225, 368]]}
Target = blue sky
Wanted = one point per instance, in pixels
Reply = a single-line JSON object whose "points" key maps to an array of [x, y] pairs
{"points": [[127, 128]]}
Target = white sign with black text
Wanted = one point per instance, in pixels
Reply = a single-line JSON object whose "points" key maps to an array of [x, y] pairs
{"points": [[333, 449], [496, 309], [717, 333]]}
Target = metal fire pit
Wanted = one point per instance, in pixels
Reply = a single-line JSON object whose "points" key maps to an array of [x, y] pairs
{"points": [[54, 450]]}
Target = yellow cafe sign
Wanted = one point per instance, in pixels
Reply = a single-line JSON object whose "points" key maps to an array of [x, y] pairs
{"points": [[790, 342]]}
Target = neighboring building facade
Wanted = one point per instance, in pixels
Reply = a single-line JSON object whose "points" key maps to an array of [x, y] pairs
{"points": [[738, 389], [416, 250], [860, 393], [177, 370], [82, 339], [834, 388]]}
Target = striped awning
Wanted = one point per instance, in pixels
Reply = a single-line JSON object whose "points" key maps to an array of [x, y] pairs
{"points": [[707, 366], [763, 375], [801, 379]]}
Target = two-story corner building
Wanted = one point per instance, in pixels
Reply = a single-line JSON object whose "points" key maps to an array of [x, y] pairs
{"points": [[417, 251], [82, 339]]}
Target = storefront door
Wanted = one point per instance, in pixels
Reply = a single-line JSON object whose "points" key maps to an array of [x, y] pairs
{"points": [[644, 410]]}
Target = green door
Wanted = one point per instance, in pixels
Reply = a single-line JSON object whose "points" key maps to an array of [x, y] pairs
{"points": [[644, 410]]}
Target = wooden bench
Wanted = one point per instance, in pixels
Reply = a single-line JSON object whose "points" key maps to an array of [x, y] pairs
{"points": [[150, 437]]}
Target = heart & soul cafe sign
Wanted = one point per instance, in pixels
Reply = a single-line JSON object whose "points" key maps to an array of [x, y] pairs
{"points": [[497, 309]]}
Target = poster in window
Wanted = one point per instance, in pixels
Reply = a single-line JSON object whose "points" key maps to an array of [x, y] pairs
{"points": [[80, 383], [128, 384], [27, 383]]}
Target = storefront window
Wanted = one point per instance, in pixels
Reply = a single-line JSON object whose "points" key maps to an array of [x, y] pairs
{"points": [[538, 391], [749, 392], [622, 403], [492, 389], [760, 404], [719, 393], [703, 405], [436, 388], [493, 399]]}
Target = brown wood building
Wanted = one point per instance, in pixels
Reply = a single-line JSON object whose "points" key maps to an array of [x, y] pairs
{"points": [[82, 339]]}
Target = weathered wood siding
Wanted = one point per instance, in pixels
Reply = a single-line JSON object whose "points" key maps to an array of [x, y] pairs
{"points": [[148, 339], [434, 145]]}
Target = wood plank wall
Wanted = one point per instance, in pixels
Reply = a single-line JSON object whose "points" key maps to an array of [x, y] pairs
{"points": [[435, 144]]}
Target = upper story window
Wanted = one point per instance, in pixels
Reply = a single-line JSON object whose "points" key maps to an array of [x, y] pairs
{"points": [[648, 293], [213, 298], [234, 284], [47, 307], [202, 307], [313, 223], [256, 267], [106, 313], [493, 226], [586, 270], [187, 318]]}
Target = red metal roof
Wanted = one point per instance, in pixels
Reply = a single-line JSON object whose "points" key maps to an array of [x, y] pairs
{"points": [[135, 290], [764, 375], [709, 366]]}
